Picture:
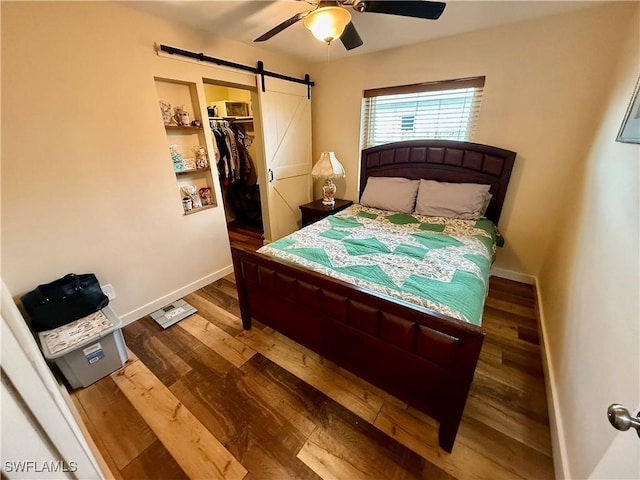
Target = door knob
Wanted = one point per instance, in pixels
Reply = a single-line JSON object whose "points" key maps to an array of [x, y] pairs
{"points": [[620, 418]]}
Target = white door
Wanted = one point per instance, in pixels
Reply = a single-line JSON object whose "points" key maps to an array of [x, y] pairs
{"points": [[621, 460], [285, 120], [40, 436]]}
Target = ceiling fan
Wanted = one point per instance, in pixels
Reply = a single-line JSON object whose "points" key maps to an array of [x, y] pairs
{"points": [[330, 19]]}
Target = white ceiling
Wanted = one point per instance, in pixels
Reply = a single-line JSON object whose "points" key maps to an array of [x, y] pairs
{"points": [[245, 20]]}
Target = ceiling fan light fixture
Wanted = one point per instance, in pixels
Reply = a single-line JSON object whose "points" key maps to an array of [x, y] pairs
{"points": [[327, 23]]}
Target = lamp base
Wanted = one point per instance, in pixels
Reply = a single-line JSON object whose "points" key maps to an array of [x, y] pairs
{"points": [[328, 193]]}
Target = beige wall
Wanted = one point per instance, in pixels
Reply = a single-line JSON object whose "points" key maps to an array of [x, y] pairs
{"points": [[589, 289], [218, 92], [87, 183], [543, 99]]}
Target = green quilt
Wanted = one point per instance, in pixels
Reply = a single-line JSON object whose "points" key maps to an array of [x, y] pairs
{"points": [[439, 263]]}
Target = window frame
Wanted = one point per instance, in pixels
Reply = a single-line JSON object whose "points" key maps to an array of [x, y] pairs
{"points": [[429, 111]]}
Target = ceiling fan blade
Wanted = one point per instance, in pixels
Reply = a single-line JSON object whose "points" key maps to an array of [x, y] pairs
{"points": [[418, 9], [286, 24], [350, 37]]}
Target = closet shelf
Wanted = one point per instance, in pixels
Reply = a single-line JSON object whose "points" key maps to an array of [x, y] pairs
{"points": [[233, 119]]}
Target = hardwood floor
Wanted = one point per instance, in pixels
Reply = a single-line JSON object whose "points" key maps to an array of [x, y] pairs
{"points": [[205, 399], [245, 235]]}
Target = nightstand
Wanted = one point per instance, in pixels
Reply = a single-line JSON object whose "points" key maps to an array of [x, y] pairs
{"points": [[314, 211]]}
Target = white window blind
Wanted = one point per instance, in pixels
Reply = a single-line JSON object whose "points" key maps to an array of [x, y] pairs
{"points": [[445, 110]]}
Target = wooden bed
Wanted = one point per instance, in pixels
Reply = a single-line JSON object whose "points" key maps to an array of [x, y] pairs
{"points": [[422, 357]]}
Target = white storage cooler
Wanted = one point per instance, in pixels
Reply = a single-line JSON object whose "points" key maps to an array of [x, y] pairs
{"points": [[88, 349]]}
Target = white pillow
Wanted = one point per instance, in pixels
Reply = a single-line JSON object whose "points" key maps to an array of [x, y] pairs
{"points": [[390, 193], [456, 200]]}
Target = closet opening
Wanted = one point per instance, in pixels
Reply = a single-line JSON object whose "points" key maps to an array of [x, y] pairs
{"points": [[230, 110]]}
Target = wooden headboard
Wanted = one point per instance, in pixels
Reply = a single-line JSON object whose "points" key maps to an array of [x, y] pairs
{"points": [[444, 161]]}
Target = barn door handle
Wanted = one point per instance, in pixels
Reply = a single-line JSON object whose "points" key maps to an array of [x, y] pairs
{"points": [[620, 418], [270, 175]]}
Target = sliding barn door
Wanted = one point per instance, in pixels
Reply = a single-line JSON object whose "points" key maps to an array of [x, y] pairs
{"points": [[286, 128]]}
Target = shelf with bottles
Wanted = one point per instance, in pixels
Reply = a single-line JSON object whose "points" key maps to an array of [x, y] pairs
{"points": [[189, 142], [195, 193], [183, 165], [198, 209]]}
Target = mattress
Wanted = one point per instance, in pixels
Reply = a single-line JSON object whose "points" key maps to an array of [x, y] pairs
{"points": [[438, 263]]}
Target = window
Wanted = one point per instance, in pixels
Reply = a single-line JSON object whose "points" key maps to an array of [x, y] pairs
{"points": [[446, 110]]}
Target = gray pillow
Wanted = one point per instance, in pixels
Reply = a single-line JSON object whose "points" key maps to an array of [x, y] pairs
{"points": [[390, 193], [457, 200]]}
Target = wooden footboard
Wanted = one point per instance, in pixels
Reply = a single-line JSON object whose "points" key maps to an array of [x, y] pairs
{"points": [[423, 358]]}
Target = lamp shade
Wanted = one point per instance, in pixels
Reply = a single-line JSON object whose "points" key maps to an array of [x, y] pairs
{"points": [[327, 167], [327, 23]]}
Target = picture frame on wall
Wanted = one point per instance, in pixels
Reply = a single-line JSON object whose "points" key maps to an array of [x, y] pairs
{"points": [[630, 129]]}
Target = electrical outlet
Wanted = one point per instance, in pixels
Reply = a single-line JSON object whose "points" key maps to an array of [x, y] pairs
{"points": [[108, 291]]}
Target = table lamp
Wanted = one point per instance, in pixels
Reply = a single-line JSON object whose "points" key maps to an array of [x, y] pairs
{"points": [[328, 167]]}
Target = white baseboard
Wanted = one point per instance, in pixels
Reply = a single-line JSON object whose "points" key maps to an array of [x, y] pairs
{"points": [[556, 429], [151, 307], [511, 275]]}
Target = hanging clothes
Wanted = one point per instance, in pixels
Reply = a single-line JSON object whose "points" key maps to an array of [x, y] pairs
{"points": [[229, 158], [234, 161], [247, 169], [238, 173], [230, 138]]}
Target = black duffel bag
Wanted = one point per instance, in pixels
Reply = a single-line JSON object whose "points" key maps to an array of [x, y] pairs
{"points": [[63, 301]]}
